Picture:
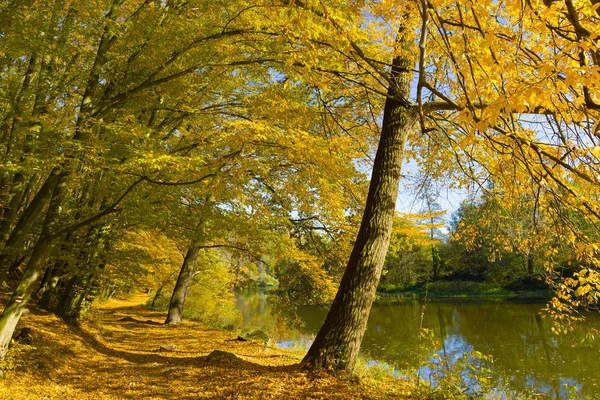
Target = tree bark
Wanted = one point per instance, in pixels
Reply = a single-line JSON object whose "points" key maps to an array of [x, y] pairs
{"points": [[27, 222], [48, 289], [69, 307], [530, 263], [180, 291], [156, 296], [12, 312], [338, 341], [67, 294], [9, 213], [435, 261], [18, 301]]}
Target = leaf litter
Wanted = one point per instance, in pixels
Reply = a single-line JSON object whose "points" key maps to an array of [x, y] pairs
{"points": [[116, 354]]}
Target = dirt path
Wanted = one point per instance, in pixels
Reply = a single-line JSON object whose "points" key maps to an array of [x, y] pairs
{"points": [[117, 355]]}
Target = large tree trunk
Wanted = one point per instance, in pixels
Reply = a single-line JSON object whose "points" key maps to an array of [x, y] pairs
{"points": [[35, 266], [338, 342], [180, 291], [18, 301]]}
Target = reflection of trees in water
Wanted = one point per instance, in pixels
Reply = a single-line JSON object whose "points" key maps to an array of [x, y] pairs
{"points": [[255, 307], [260, 309], [525, 349], [393, 334], [519, 339]]}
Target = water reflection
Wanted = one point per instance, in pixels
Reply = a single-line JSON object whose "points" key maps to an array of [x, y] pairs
{"points": [[526, 353]]}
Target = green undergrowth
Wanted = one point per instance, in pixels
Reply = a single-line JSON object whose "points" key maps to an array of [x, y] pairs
{"points": [[460, 290]]}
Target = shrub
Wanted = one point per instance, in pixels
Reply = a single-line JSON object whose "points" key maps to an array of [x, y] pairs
{"points": [[526, 282], [457, 287]]}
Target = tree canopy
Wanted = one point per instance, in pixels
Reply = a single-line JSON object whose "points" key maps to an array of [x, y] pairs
{"points": [[249, 127]]}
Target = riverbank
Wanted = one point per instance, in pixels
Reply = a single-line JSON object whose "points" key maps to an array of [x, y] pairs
{"points": [[123, 351], [463, 290]]}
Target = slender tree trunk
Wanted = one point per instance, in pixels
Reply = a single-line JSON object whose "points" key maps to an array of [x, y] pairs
{"points": [[69, 307], [73, 312], [46, 280], [67, 294], [27, 222], [9, 213], [26, 198], [14, 267], [180, 291], [530, 263], [49, 286], [338, 341], [156, 296], [435, 261]]}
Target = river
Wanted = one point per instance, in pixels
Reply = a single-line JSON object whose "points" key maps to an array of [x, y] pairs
{"points": [[526, 354]]}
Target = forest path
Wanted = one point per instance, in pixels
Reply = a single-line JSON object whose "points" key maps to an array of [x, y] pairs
{"points": [[116, 355]]}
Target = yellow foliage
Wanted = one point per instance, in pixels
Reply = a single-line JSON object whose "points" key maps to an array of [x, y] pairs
{"points": [[143, 259]]}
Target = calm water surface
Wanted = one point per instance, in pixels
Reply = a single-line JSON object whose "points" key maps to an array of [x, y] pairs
{"points": [[525, 352]]}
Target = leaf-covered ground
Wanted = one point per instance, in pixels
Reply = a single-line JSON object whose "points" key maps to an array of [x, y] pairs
{"points": [[116, 355]]}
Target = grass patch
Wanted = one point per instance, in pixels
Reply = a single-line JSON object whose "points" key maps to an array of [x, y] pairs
{"points": [[461, 290]]}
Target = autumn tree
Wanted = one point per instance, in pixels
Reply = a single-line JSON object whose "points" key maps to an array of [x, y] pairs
{"points": [[409, 257], [101, 106], [505, 225], [108, 100], [114, 104], [480, 71]]}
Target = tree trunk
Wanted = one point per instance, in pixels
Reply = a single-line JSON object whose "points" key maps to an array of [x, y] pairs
{"points": [[436, 262], [10, 211], [18, 301], [67, 294], [35, 266], [49, 288], [13, 270], [51, 285], [46, 281], [69, 307], [181, 287], [156, 296], [530, 263], [338, 342], [26, 222]]}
